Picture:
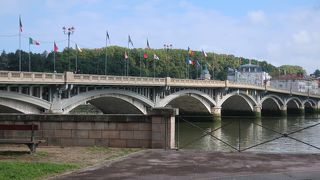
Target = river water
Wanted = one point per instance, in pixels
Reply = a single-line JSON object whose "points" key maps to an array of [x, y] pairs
{"points": [[199, 132]]}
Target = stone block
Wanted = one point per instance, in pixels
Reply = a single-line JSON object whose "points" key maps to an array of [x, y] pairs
{"points": [[98, 125], [121, 143], [142, 135], [158, 127], [157, 145], [69, 125], [84, 125], [53, 141], [48, 133], [85, 142], [122, 126], [126, 134], [133, 143], [110, 126], [80, 133], [50, 125], [157, 120], [95, 134], [111, 134], [63, 133], [101, 142], [157, 136], [145, 126], [145, 143], [68, 142]]}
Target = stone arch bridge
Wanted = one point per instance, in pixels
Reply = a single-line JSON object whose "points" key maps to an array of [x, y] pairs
{"points": [[35, 93]]}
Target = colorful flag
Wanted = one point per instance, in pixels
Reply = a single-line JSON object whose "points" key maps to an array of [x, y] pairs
{"points": [[108, 37], [130, 41], [148, 46], [204, 53], [125, 55], [20, 24], [33, 42], [190, 52], [55, 47], [145, 56], [78, 48], [155, 57]]}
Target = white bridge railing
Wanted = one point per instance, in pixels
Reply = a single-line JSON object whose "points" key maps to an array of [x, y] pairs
{"points": [[14, 77]]}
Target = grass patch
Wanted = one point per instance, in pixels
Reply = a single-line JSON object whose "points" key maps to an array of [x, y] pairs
{"points": [[31, 170]]}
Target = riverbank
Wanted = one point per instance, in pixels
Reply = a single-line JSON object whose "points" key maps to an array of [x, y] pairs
{"points": [[187, 164], [17, 163]]}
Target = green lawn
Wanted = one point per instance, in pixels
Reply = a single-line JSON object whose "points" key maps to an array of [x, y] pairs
{"points": [[31, 170]]}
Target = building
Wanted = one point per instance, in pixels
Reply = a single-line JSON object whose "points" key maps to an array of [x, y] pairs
{"points": [[297, 83], [248, 73]]}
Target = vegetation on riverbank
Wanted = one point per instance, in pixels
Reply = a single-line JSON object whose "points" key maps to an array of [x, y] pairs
{"points": [[16, 163]]}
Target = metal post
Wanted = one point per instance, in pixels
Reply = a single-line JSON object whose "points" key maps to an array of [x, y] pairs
{"points": [[68, 31], [239, 150]]}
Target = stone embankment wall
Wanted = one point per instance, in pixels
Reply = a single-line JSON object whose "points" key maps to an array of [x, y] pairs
{"points": [[143, 131]]}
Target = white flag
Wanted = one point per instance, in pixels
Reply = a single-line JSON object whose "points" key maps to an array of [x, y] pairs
{"points": [[78, 48], [155, 57]]}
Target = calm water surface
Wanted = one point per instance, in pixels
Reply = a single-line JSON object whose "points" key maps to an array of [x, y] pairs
{"points": [[194, 133]]}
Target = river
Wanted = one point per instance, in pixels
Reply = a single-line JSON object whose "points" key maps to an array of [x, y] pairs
{"points": [[199, 132]]}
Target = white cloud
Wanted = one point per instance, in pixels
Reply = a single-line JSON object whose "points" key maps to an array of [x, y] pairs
{"points": [[288, 37], [257, 17]]}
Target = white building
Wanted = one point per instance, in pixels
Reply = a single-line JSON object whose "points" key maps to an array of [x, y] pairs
{"points": [[297, 83], [249, 73]]}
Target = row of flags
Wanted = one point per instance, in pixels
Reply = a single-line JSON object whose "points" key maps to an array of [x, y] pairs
{"points": [[126, 56]]}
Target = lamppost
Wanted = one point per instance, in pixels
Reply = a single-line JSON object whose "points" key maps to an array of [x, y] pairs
{"points": [[68, 31], [167, 47]]}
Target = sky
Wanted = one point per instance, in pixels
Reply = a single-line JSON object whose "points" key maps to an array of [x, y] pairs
{"points": [[277, 31]]}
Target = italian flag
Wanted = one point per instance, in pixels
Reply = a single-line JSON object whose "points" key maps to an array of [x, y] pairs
{"points": [[33, 42]]}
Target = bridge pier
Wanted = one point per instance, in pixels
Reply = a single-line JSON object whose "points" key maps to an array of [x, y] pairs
{"points": [[163, 127], [257, 111], [301, 110], [216, 112], [283, 110]]}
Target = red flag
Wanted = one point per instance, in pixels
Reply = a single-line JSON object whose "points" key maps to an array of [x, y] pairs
{"points": [[20, 24], [55, 47], [145, 56]]}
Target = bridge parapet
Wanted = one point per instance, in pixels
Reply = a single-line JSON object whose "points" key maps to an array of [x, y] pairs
{"points": [[116, 80], [14, 77]]}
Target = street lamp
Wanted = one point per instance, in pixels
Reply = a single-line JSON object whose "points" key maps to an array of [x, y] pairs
{"points": [[167, 47], [68, 31]]}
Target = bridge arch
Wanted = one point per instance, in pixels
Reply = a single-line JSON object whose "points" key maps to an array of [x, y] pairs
{"points": [[237, 102], [13, 102], [294, 103], [271, 104], [189, 101], [110, 101]]}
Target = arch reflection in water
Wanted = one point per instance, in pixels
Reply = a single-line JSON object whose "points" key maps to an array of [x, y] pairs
{"points": [[252, 131]]}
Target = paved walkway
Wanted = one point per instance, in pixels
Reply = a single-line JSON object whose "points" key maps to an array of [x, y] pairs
{"points": [[185, 164]]}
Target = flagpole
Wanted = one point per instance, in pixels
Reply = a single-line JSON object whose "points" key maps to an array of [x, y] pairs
{"points": [[140, 61], [106, 59], [127, 68], [76, 60], [154, 67], [29, 59], [54, 61], [19, 42]]}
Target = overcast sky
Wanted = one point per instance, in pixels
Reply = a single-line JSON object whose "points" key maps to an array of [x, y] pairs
{"points": [[278, 31]]}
